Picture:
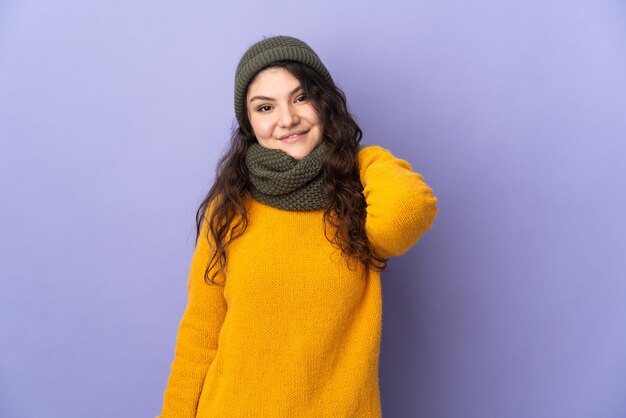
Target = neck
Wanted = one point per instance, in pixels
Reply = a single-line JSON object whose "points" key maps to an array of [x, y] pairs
{"points": [[281, 181]]}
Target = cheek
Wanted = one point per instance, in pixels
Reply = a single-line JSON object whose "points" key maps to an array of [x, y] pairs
{"points": [[311, 115], [260, 127]]}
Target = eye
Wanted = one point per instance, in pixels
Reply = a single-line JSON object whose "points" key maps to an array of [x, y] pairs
{"points": [[302, 97], [260, 108]]}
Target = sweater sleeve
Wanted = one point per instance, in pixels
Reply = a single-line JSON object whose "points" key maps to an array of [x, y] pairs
{"points": [[400, 205], [198, 332]]}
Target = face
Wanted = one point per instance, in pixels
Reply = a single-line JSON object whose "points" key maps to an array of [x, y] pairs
{"points": [[281, 115]]}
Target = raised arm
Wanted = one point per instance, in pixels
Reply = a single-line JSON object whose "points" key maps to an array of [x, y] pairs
{"points": [[198, 333], [400, 205]]}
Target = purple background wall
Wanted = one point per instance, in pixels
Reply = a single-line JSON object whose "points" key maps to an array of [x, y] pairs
{"points": [[113, 115]]}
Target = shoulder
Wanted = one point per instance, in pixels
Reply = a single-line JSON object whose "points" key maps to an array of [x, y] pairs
{"points": [[400, 205], [372, 150], [361, 147], [371, 154]]}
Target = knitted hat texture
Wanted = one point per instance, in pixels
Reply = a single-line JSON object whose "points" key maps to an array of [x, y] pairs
{"points": [[263, 53]]}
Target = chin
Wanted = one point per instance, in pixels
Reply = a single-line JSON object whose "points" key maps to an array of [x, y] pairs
{"points": [[297, 155], [299, 152]]}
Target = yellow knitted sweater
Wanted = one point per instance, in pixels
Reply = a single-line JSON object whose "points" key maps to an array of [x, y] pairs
{"points": [[295, 332]]}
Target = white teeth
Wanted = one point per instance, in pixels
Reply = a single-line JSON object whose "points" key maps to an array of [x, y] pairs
{"points": [[294, 135]]}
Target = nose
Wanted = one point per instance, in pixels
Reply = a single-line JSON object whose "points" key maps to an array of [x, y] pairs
{"points": [[287, 117]]}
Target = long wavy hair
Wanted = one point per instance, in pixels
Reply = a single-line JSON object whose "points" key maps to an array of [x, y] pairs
{"points": [[345, 208]]}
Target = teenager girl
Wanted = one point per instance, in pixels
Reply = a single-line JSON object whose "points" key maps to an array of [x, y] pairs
{"points": [[284, 309]]}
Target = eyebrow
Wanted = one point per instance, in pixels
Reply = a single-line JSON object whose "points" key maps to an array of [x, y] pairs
{"points": [[270, 99]]}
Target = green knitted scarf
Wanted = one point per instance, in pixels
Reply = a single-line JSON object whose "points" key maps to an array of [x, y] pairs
{"points": [[284, 182], [279, 180]]}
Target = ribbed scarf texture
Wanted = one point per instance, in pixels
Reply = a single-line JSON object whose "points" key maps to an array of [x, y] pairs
{"points": [[281, 181]]}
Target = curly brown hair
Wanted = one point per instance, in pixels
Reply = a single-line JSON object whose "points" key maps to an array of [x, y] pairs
{"points": [[345, 208]]}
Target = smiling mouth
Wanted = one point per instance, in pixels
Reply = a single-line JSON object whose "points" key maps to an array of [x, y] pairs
{"points": [[294, 137]]}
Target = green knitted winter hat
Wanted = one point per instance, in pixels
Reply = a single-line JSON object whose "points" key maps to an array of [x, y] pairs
{"points": [[266, 51]]}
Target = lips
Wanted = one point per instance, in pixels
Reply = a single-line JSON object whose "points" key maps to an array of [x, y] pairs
{"points": [[292, 135]]}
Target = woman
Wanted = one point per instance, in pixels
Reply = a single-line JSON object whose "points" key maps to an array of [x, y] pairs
{"points": [[284, 309]]}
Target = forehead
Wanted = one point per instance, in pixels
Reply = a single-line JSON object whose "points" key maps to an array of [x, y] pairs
{"points": [[274, 80]]}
